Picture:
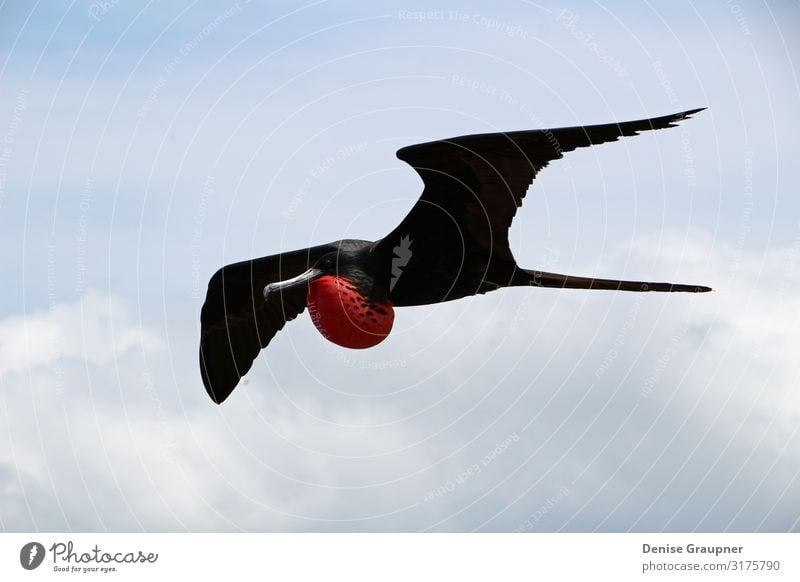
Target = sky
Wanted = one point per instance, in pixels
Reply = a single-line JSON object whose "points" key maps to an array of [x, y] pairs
{"points": [[145, 145]]}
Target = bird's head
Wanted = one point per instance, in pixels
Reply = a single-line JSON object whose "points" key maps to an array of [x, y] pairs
{"points": [[342, 264]]}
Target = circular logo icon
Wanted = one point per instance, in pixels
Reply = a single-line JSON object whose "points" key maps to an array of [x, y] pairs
{"points": [[31, 555]]}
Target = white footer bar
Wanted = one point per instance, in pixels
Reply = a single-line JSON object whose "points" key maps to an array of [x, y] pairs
{"points": [[390, 557]]}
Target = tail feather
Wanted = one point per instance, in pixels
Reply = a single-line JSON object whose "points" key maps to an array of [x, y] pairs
{"points": [[544, 279]]}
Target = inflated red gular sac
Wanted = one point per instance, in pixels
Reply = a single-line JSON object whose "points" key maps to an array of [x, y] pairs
{"points": [[345, 316], [348, 307]]}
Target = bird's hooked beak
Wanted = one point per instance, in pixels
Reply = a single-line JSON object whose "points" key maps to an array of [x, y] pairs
{"points": [[301, 279]]}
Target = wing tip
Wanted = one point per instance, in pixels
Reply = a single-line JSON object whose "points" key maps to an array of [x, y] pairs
{"points": [[214, 398], [666, 121], [217, 396], [689, 112], [673, 119]]}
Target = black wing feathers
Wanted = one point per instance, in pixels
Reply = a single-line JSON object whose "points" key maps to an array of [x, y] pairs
{"points": [[236, 322], [483, 178]]}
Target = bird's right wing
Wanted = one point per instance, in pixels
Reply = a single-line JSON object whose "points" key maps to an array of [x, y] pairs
{"points": [[236, 322]]}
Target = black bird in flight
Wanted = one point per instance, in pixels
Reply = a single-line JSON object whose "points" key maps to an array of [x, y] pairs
{"points": [[453, 243]]}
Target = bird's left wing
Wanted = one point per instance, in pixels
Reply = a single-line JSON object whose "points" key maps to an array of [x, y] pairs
{"points": [[479, 181], [236, 322]]}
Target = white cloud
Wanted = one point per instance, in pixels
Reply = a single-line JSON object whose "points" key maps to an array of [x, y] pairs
{"points": [[95, 328]]}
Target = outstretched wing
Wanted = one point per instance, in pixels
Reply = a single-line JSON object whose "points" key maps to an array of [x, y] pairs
{"points": [[236, 322], [477, 182]]}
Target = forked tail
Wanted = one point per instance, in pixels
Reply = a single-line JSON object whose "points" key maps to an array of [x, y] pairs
{"points": [[544, 279]]}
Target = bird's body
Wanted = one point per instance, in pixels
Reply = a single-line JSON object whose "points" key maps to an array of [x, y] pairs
{"points": [[452, 244]]}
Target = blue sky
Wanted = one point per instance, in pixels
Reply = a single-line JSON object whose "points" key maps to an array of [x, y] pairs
{"points": [[145, 146]]}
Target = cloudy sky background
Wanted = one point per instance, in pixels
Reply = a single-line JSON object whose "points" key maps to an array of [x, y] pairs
{"points": [[143, 147]]}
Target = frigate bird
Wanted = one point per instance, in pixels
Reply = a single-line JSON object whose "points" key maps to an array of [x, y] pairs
{"points": [[452, 244]]}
